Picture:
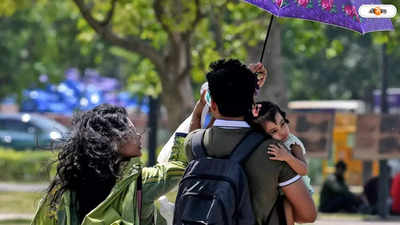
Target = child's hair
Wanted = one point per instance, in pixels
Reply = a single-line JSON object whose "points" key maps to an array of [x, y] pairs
{"points": [[267, 112]]}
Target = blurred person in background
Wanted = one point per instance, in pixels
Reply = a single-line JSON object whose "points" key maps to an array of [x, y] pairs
{"points": [[99, 178], [394, 165], [395, 193], [335, 194], [371, 189], [370, 194]]}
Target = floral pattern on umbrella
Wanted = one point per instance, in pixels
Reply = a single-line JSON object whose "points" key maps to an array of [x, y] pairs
{"points": [[351, 11], [326, 11], [327, 5], [304, 3], [278, 2], [281, 3]]}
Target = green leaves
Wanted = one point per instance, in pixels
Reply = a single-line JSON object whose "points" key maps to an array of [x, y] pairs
{"points": [[9, 7], [335, 49], [141, 76], [42, 39], [49, 36]]}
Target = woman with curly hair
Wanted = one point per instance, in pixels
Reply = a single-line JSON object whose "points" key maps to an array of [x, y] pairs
{"points": [[99, 179]]}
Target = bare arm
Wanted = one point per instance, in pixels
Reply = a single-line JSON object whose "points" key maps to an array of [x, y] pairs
{"points": [[195, 123], [304, 210], [296, 160]]}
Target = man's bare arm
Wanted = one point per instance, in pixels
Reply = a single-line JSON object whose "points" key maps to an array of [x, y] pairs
{"points": [[304, 210]]}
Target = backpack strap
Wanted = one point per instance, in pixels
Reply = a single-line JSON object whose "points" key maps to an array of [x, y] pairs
{"points": [[198, 149], [246, 146], [139, 196]]}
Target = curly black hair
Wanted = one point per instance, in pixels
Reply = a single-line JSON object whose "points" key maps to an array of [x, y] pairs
{"points": [[232, 86], [89, 162], [267, 112]]}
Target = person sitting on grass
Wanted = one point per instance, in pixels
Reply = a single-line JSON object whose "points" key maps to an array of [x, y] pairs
{"points": [[335, 194]]}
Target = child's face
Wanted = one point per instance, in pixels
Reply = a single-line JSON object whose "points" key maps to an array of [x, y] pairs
{"points": [[279, 130]]}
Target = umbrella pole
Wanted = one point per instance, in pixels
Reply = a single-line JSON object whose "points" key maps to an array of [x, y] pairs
{"points": [[266, 37]]}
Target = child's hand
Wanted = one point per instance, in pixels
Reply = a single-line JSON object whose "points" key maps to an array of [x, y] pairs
{"points": [[297, 152], [278, 152], [296, 147]]}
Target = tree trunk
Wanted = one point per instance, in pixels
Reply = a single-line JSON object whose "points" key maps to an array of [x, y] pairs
{"points": [[177, 98], [275, 88], [176, 81], [173, 63]]}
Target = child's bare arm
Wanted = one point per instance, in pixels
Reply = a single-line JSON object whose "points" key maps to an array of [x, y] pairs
{"points": [[297, 151], [280, 153]]}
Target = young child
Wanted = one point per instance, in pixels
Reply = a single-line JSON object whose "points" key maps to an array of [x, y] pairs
{"points": [[270, 118]]}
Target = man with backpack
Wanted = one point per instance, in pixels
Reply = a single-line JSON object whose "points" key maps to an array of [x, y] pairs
{"points": [[230, 179]]}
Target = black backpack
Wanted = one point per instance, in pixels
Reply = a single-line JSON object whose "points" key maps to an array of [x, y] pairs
{"points": [[215, 190]]}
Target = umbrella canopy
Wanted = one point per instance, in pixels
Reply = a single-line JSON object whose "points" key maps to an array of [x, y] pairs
{"points": [[342, 13]]}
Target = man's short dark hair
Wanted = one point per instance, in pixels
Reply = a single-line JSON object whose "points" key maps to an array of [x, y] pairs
{"points": [[232, 86]]}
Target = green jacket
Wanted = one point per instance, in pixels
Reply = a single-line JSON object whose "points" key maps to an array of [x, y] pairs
{"points": [[120, 206]]}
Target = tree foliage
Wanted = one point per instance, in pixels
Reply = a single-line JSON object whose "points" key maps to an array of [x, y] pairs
{"points": [[326, 62], [179, 38], [43, 38], [164, 47]]}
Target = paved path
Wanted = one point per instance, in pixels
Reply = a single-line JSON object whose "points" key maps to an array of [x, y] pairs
{"points": [[321, 221], [15, 216], [353, 222], [331, 220], [318, 222], [18, 187]]}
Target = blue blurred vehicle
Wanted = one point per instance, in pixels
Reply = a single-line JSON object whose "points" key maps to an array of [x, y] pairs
{"points": [[29, 131]]}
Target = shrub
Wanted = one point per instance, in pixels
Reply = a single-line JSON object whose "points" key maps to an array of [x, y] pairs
{"points": [[27, 166], [33, 166]]}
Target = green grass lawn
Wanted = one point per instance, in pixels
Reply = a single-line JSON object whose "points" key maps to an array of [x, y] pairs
{"points": [[19, 202], [15, 222]]}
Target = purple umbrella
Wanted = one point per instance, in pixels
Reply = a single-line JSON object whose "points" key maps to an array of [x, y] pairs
{"points": [[342, 13]]}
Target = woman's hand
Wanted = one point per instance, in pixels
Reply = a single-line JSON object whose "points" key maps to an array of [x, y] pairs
{"points": [[198, 108], [278, 152], [261, 72], [195, 123]]}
